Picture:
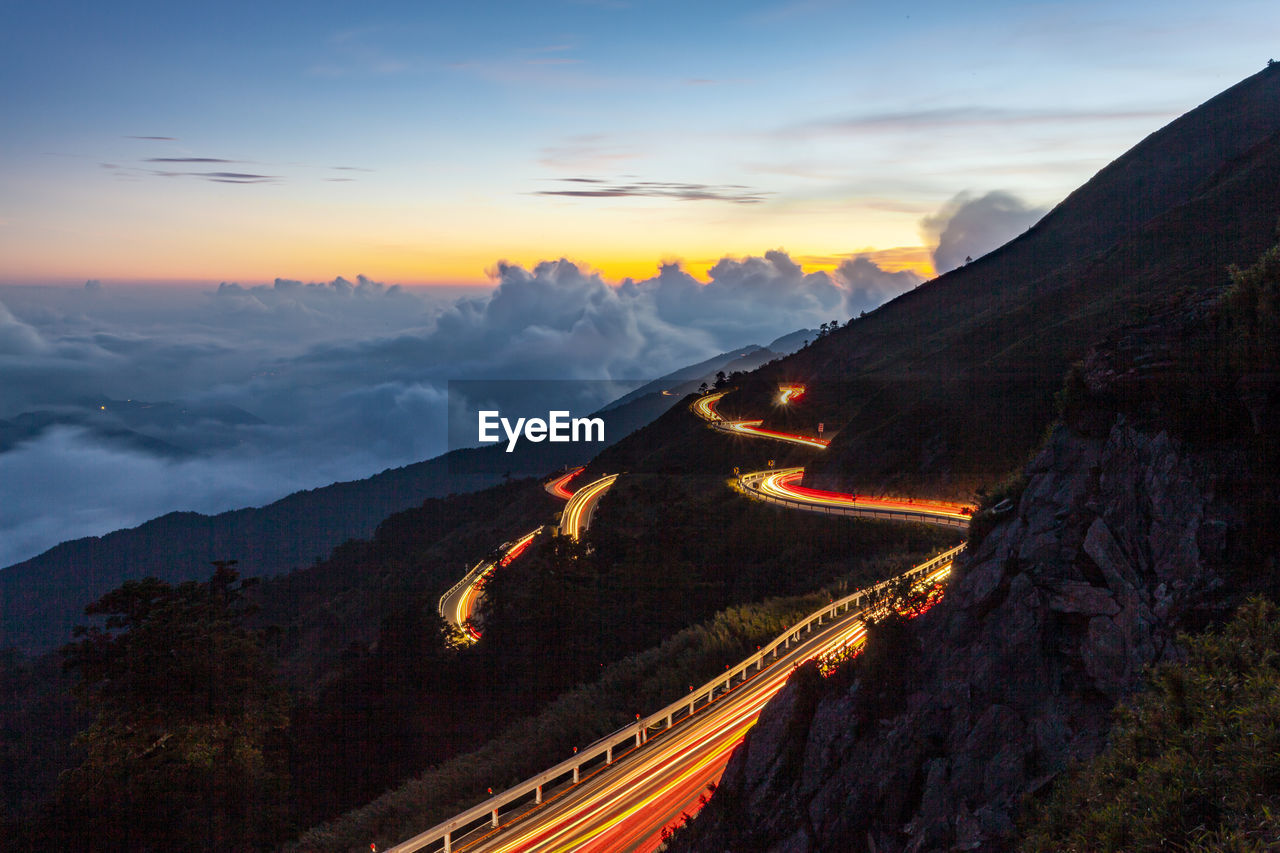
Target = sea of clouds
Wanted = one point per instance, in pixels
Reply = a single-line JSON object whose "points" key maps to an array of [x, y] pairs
{"points": [[291, 385]]}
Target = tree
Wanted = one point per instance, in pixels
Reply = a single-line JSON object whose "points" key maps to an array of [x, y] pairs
{"points": [[187, 748]]}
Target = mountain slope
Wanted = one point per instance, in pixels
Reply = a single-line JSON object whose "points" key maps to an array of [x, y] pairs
{"points": [[1147, 514], [951, 384]]}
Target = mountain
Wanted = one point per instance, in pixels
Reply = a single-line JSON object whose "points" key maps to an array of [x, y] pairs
{"points": [[953, 382], [686, 380], [1146, 515], [43, 598], [788, 344]]}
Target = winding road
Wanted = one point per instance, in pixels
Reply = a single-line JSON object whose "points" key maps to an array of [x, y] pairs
{"points": [[458, 604], [623, 792]]}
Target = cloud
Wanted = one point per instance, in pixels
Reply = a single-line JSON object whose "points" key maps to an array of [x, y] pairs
{"points": [[133, 173], [293, 385], [735, 193], [970, 116], [155, 138], [18, 338], [584, 152], [188, 160], [236, 177], [222, 177], [969, 227]]}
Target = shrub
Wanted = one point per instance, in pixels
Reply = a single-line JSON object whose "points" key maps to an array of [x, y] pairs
{"points": [[1194, 762]]}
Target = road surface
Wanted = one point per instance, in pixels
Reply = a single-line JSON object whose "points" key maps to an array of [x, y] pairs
{"points": [[625, 801], [626, 804]]}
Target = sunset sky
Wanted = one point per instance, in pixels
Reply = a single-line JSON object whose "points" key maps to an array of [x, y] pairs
{"points": [[422, 142]]}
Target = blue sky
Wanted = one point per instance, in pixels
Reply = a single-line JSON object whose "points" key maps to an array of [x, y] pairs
{"points": [[423, 142]]}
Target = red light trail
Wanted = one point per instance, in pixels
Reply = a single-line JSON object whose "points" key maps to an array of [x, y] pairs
{"points": [[557, 486]]}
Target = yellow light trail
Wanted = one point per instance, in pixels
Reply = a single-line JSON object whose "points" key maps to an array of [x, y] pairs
{"points": [[705, 407], [576, 517], [752, 428], [625, 806], [458, 605]]}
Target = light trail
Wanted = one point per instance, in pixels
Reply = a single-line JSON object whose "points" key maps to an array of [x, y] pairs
{"points": [[783, 485], [557, 486], [790, 392], [705, 408], [753, 428], [576, 517], [459, 603], [627, 804]]}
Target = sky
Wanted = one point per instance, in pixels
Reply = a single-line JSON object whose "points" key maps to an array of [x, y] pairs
{"points": [[423, 142], [245, 247]]}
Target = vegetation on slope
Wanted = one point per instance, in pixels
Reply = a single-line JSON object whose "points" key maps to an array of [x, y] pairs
{"points": [[187, 745], [638, 683], [1194, 763], [666, 553]]}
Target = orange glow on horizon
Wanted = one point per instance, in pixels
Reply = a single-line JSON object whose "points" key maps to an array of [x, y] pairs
{"points": [[399, 265]]}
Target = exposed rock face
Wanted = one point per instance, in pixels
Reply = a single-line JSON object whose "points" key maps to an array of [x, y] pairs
{"points": [[1118, 543]]}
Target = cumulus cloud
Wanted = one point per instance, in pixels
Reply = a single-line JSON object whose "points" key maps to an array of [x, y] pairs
{"points": [[969, 227], [267, 389]]}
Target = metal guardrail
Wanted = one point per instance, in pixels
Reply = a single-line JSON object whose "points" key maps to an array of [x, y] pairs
{"points": [[637, 733]]}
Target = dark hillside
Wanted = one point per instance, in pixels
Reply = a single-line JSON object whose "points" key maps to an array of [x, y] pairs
{"points": [[680, 442], [1148, 513], [951, 384], [411, 559]]}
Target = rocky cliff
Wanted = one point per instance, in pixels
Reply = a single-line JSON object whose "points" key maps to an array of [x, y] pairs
{"points": [[1131, 528]]}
